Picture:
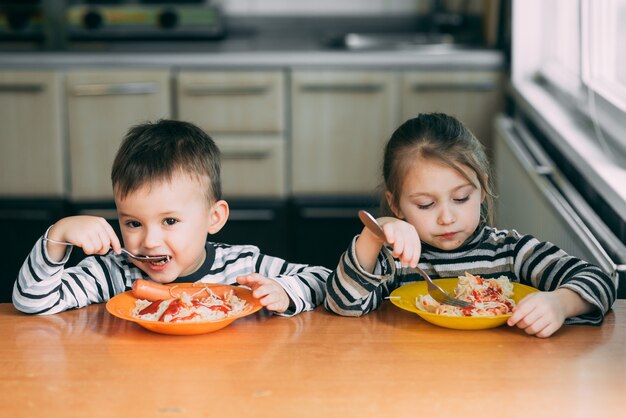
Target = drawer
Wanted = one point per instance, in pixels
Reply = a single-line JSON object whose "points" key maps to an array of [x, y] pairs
{"points": [[232, 101], [101, 107], [253, 167]]}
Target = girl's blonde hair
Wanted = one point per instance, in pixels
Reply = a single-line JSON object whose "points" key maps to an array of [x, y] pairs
{"points": [[440, 137]]}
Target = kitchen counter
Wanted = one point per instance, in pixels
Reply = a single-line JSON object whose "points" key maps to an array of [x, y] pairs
{"points": [[87, 363], [254, 51]]}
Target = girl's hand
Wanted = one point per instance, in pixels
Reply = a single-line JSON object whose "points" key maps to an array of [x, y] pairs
{"points": [[401, 235], [269, 292], [404, 240], [543, 313], [91, 233]]}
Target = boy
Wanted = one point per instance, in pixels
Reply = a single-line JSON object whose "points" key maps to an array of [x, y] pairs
{"points": [[166, 184]]}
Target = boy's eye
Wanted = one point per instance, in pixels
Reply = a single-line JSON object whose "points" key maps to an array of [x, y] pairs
{"points": [[133, 224], [170, 221]]}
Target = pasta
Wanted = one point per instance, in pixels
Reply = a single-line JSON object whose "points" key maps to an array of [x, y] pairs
{"points": [[188, 308], [490, 297]]}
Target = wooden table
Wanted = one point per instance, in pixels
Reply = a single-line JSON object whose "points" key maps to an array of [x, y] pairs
{"points": [[86, 363]]}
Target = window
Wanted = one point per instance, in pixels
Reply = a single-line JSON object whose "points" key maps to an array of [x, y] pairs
{"points": [[576, 46]]}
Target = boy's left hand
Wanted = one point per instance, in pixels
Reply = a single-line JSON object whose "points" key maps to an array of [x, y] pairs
{"points": [[540, 314], [269, 292]]}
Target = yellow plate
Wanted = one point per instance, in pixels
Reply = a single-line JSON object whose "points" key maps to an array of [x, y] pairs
{"points": [[404, 297], [123, 304]]}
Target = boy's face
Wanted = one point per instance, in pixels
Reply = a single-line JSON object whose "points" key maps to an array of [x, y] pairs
{"points": [[166, 218]]}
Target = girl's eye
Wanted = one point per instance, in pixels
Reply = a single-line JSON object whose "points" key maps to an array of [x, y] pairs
{"points": [[133, 224], [427, 206], [463, 199], [170, 221]]}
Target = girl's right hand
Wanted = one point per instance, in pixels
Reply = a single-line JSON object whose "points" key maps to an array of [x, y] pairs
{"points": [[91, 233], [404, 240], [402, 237]]}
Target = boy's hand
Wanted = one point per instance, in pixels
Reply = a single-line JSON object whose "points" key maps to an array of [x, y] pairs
{"points": [[543, 313], [403, 237], [91, 233], [269, 292]]}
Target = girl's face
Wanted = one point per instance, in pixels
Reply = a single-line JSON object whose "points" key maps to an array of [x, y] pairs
{"points": [[442, 205], [166, 218]]}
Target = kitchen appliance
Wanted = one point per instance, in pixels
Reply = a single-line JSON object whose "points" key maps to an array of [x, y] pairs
{"points": [[143, 20], [21, 21], [540, 194]]}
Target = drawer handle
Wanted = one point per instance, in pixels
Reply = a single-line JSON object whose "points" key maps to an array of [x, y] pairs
{"points": [[115, 89], [22, 88], [486, 86], [342, 88], [245, 155], [328, 213], [200, 90], [251, 215]]}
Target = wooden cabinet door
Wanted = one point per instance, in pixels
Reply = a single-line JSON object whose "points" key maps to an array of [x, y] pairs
{"points": [[341, 121], [473, 97], [244, 112], [253, 167], [232, 101], [31, 138], [102, 106]]}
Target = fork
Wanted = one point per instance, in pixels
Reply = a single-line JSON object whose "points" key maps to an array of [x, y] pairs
{"points": [[125, 251], [434, 290]]}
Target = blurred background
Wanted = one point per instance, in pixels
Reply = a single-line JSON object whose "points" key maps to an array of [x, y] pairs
{"points": [[301, 96]]}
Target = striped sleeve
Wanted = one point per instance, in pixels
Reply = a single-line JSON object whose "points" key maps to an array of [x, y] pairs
{"points": [[46, 287], [547, 268], [351, 291]]}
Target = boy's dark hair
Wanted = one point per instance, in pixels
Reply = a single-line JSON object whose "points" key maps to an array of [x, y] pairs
{"points": [[156, 151], [435, 136]]}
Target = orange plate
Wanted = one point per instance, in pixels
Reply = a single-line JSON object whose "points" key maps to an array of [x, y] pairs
{"points": [[123, 304]]}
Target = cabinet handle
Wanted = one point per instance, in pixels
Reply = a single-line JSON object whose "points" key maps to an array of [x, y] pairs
{"points": [[329, 213], [115, 89], [22, 88], [25, 214], [342, 88], [245, 155], [251, 215], [200, 90], [483, 86]]}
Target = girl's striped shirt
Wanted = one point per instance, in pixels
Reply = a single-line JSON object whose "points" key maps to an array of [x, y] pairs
{"points": [[489, 253]]}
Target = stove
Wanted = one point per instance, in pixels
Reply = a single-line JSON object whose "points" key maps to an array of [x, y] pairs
{"points": [[146, 20]]}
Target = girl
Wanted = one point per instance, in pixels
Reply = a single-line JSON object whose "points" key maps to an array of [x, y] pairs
{"points": [[437, 203]]}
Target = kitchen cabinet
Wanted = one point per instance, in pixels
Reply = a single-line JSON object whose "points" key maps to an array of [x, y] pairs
{"points": [[340, 123], [244, 112], [473, 97], [32, 158], [32, 164], [101, 106]]}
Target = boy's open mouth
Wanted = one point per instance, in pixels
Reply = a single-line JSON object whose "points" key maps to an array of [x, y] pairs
{"points": [[161, 262]]}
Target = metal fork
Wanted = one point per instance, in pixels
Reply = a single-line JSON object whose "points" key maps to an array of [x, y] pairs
{"points": [[125, 251], [434, 290]]}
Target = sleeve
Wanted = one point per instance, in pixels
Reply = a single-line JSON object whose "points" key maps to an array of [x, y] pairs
{"points": [[546, 267], [46, 287], [352, 291], [304, 284]]}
